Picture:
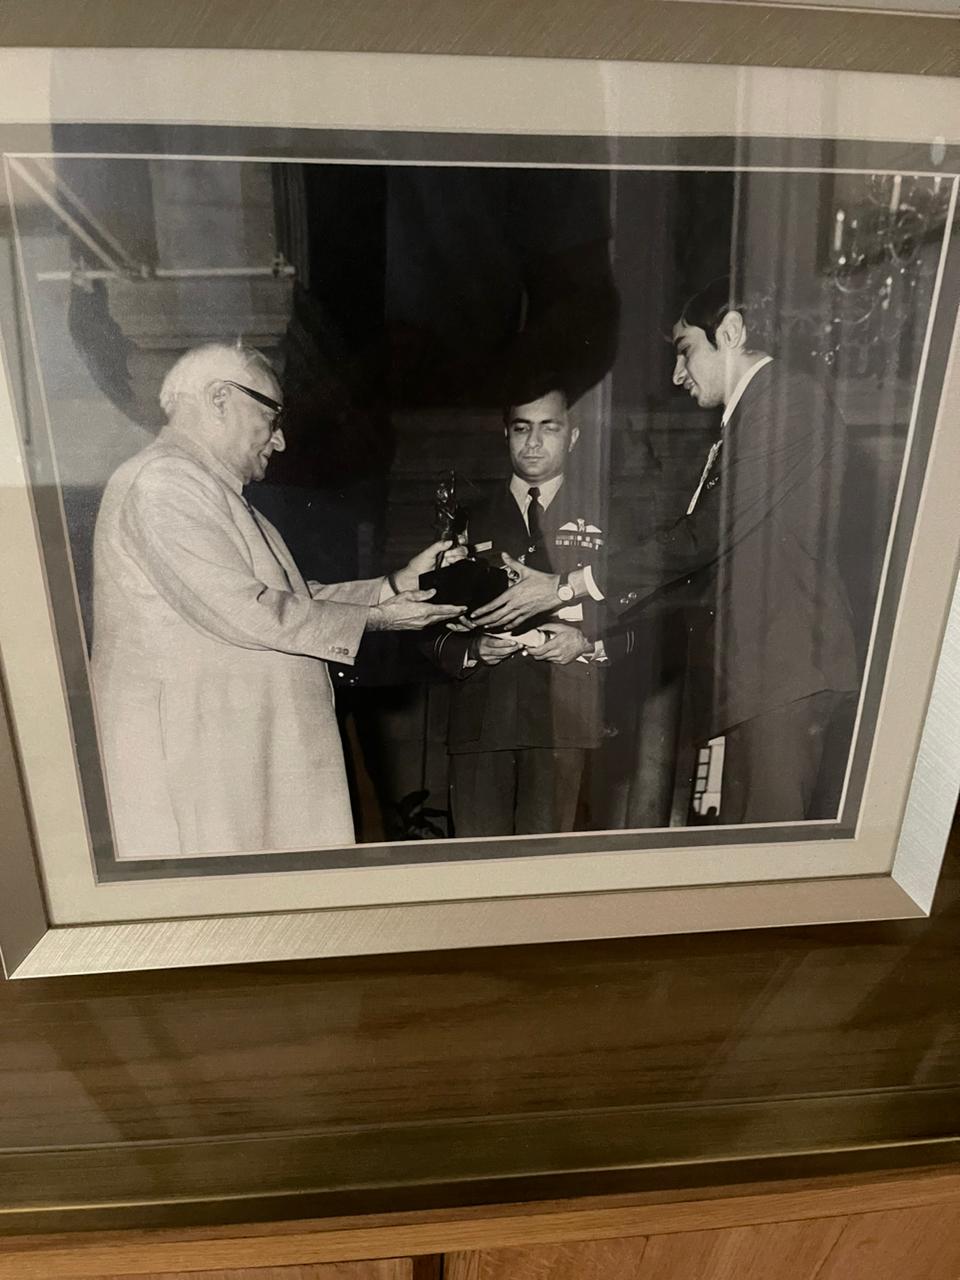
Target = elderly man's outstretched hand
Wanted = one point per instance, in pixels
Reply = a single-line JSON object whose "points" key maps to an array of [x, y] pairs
{"points": [[410, 611], [440, 553]]}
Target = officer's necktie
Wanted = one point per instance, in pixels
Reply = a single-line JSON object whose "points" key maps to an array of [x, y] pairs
{"points": [[535, 549]]}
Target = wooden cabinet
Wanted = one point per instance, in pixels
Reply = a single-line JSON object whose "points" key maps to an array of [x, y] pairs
{"points": [[908, 1244], [920, 1242], [903, 1226], [390, 1269], [142, 1114], [590, 1259]]}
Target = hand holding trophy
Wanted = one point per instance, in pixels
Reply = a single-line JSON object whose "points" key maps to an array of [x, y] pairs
{"points": [[470, 581]]}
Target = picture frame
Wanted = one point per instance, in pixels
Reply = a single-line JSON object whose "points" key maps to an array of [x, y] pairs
{"points": [[62, 917]]}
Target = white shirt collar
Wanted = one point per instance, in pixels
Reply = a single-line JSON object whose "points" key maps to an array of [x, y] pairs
{"points": [[521, 491], [741, 387]]}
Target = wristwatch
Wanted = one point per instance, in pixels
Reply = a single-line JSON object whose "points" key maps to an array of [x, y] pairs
{"points": [[564, 589]]}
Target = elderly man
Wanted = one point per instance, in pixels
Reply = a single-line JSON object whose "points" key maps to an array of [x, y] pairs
{"points": [[755, 552], [214, 702]]}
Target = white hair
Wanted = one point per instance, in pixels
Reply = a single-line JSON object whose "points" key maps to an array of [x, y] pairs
{"points": [[200, 366]]}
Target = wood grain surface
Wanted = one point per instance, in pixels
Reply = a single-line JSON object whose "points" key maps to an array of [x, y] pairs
{"points": [[707, 1019], [490, 1237], [785, 1250], [453, 1075], [585, 1260], [391, 1269], [907, 1244], [645, 30]]}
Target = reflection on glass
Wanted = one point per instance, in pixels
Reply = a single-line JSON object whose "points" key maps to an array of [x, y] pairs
{"points": [[677, 404]]}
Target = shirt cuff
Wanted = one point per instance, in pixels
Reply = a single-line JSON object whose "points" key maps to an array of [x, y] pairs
{"points": [[569, 613], [467, 663], [470, 659], [598, 653], [386, 591], [584, 583]]}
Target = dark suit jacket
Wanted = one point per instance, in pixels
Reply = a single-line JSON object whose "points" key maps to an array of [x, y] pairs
{"points": [[521, 702], [755, 563]]}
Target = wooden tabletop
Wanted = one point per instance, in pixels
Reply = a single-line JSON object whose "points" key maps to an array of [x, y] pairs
{"points": [[445, 1078]]}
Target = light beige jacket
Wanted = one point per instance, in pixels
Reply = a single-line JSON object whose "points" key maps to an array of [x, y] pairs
{"points": [[214, 703]]}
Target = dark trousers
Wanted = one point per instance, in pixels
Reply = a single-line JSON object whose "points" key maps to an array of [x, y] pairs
{"points": [[788, 765], [530, 791]]}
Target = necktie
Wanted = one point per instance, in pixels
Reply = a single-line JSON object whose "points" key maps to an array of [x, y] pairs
{"points": [[535, 526], [705, 475]]}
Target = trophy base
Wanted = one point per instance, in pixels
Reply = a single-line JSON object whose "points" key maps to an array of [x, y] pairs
{"points": [[469, 582]]}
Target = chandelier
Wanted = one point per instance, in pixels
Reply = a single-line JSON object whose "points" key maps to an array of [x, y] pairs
{"points": [[879, 272]]}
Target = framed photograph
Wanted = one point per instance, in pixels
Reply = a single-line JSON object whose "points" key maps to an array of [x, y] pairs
{"points": [[441, 510]]}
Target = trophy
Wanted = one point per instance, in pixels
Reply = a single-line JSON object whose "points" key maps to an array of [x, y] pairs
{"points": [[450, 519], [472, 581]]}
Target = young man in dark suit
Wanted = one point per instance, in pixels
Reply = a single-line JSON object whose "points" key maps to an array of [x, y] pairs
{"points": [[771, 647], [522, 717]]}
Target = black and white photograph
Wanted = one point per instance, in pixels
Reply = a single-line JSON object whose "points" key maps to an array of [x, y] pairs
{"points": [[434, 502], [442, 512]]}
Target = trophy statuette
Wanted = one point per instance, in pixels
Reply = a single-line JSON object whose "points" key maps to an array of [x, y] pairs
{"points": [[473, 581]]}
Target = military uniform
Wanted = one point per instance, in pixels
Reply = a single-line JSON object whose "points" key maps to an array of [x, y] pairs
{"points": [[519, 731]]}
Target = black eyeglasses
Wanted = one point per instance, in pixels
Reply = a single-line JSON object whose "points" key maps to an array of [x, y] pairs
{"points": [[260, 398]]}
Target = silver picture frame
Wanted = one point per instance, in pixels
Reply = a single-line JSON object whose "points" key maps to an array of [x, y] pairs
{"points": [[58, 915]]}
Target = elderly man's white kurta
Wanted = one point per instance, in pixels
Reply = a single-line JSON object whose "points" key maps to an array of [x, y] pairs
{"points": [[215, 706]]}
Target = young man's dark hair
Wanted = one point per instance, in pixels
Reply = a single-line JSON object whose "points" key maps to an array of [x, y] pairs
{"points": [[707, 308]]}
